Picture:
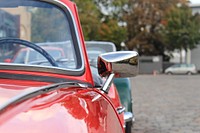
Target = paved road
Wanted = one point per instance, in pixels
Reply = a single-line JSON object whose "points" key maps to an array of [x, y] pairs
{"points": [[166, 103]]}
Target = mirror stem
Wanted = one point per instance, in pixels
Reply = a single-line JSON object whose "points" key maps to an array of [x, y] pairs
{"points": [[107, 84]]}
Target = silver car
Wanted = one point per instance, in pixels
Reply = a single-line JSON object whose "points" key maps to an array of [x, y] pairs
{"points": [[181, 69]]}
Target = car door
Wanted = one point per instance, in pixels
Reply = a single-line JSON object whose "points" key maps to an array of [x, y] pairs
{"points": [[183, 69]]}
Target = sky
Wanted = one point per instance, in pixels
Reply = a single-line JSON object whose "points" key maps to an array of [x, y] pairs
{"points": [[195, 1]]}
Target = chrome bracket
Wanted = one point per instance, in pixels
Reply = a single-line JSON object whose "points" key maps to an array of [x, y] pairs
{"points": [[107, 84]]}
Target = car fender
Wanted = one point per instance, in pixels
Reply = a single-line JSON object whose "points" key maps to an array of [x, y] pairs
{"points": [[68, 109]]}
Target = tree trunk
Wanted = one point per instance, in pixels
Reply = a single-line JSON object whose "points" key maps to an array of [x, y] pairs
{"points": [[181, 56], [186, 56]]}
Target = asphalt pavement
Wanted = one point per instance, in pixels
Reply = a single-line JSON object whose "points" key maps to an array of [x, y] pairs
{"points": [[166, 103]]}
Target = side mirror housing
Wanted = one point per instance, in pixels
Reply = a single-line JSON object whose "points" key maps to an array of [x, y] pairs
{"points": [[121, 63]]}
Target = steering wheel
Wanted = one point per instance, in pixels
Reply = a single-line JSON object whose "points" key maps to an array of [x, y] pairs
{"points": [[30, 45]]}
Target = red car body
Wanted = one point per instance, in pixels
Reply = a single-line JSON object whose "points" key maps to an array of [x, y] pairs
{"points": [[37, 101], [72, 109]]}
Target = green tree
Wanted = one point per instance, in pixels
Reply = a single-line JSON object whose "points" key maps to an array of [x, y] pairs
{"points": [[145, 21], [182, 30], [113, 26], [98, 23], [89, 16], [111, 31], [112, 8]]}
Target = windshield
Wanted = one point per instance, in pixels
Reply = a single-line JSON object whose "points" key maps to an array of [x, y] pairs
{"points": [[32, 55], [38, 23], [94, 49], [103, 47], [94, 53]]}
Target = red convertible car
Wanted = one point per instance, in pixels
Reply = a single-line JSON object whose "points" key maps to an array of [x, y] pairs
{"points": [[63, 96]]}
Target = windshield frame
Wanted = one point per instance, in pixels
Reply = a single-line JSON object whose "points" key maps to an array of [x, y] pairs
{"points": [[76, 44]]}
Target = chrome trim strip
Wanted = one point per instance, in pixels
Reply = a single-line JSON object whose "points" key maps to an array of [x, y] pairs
{"points": [[128, 116], [120, 110]]}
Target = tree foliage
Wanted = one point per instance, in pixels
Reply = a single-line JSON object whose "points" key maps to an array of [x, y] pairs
{"points": [[111, 31], [90, 18], [182, 29], [100, 26], [112, 8], [145, 22]]}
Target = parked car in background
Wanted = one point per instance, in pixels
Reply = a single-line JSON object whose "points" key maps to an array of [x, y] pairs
{"points": [[181, 69], [123, 85], [63, 96]]}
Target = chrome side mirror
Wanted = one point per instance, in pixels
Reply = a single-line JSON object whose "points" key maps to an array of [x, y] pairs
{"points": [[120, 63]]}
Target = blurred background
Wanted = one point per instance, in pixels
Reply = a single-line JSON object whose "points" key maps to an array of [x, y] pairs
{"points": [[163, 32]]}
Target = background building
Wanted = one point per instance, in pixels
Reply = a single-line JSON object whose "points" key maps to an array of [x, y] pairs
{"points": [[195, 53]]}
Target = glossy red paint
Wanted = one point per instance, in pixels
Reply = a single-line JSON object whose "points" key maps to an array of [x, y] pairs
{"points": [[114, 96], [64, 110], [83, 77], [14, 83]]}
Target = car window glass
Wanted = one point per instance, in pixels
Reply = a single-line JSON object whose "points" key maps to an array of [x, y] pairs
{"points": [[183, 65], [175, 66], [93, 54], [100, 47], [20, 57], [40, 23]]}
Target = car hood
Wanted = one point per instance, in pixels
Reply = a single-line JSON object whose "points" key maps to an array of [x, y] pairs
{"points": [[43, 113], [71, 107]]}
